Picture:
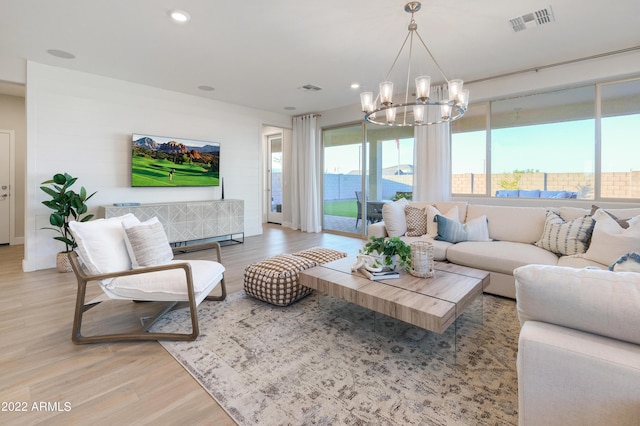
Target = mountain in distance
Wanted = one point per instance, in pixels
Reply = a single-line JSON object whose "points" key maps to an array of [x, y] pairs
{"points": [[146, 142], [174, 147], [206, 148]]}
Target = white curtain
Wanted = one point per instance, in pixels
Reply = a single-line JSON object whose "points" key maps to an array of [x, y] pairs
{"points": [[305, 191], [432, 166]]}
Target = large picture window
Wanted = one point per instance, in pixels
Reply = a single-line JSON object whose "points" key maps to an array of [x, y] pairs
{"points": [[552, 145], [542, 146]]}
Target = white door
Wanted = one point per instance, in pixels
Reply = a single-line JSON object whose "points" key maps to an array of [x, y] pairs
{"points": [[274, 178], [5, 178]]}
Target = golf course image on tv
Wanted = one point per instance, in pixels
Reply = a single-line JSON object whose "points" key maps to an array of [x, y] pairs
{"points": [[164, 161]]}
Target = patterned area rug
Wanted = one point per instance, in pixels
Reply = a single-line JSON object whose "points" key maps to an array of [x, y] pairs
{"points": [[327, 362]]}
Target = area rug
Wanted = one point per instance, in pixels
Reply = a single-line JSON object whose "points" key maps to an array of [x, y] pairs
{"points": [[322, 362]]}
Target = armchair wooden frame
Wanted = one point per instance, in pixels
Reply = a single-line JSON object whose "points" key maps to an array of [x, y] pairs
{"points": [[142, 333]]}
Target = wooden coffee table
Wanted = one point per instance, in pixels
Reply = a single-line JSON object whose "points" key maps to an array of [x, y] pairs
{"points": [[430, 303]]}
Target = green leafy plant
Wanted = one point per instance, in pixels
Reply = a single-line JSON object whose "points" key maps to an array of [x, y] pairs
{"points": [[387, 248], [406, 195], [67, 205]]}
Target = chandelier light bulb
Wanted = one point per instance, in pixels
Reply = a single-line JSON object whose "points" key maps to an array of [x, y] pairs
{"points": [[423, 86], [418, 114], [366, 99], [445, 111], [455, 90], [391, 116], [386, 93], [464, 99]]}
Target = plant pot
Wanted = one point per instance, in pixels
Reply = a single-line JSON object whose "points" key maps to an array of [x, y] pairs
{"points": [[383, 260], [63, 264]]}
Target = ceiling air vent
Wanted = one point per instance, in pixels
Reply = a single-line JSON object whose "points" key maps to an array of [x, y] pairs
{"points": [[310, 88], [532, 20]]}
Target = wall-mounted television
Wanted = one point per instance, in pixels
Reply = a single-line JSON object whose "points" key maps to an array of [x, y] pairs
{"points": [[165, 161]]}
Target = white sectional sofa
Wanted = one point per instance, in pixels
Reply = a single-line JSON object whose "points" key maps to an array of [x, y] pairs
{"points": [[512, 236], [579, 346]]}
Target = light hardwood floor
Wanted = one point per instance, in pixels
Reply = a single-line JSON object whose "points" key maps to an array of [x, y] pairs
{"points": [[118, 383]]}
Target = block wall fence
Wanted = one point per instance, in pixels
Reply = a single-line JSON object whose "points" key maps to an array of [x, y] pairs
{"points": [[614, 184]]}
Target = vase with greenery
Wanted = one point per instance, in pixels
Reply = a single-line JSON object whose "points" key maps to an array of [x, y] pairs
{"points": [[392, 251], [67, 205]]}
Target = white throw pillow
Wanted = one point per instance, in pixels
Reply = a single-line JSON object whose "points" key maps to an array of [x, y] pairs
{"points": [[101, 245], [147, 243], [394, 219], [432, 225], [477, 229], [610, 241]]}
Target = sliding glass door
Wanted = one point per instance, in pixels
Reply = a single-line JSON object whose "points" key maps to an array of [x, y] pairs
{"points": [[342, 179], [364, 168]]}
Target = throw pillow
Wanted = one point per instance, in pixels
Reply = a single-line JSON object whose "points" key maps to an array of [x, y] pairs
{"points": [[565, 238], [452, 231], [630, 262], [478, 229], [416, 221], [147, 243], [610, 241], [101, 244], [432, 226], [394, 219], [624, 223]]}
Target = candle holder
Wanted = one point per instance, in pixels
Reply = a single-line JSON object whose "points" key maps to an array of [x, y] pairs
{"points": [[421, 259]]}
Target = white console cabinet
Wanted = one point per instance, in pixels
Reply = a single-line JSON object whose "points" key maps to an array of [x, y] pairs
{"points": [[189, 221]]}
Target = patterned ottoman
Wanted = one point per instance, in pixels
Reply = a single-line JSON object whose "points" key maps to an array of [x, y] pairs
{"points": [[275, 280]]}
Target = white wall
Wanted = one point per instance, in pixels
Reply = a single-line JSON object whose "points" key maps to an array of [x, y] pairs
{"points": [[82, 124]]}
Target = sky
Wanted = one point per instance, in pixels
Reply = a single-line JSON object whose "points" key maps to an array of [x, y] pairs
{"points": [[343, 159], [565, 147]]}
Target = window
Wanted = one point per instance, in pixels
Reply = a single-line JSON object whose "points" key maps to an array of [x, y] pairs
{"points": [[468, 152], [546, 145], [620, 140]]}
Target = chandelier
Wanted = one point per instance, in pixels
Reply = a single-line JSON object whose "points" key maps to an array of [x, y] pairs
{"points": [[423, 111]]}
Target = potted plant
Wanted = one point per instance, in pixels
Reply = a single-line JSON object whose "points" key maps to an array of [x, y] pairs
{"points": [[67, 205], [391, 251]]}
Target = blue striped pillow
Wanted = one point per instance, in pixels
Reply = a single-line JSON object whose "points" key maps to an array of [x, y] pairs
{"points": [[450, 230], [566, 238]]}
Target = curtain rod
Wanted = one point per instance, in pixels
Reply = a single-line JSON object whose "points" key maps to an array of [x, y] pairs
{"points": [[557, 64]]}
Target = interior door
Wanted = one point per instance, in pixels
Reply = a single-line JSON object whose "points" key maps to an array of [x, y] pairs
{"points": [[274, 178], [5, 177]]}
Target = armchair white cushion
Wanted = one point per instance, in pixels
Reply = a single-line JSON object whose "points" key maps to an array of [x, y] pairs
{"points": [[103, 248], [579, 347]]}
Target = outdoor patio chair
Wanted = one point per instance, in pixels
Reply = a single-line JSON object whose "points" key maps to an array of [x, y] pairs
{"points": [[133, 261]]}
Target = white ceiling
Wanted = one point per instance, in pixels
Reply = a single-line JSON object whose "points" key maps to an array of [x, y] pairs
{"points": [[259, 53]]}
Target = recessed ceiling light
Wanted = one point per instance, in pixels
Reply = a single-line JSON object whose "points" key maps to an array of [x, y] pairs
{"points": [[355, 85], [206, 88], [289, 108], [180, 16], [61, 54]]}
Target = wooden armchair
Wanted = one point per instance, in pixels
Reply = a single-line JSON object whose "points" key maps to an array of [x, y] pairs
{"points": [[133, 261]]}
